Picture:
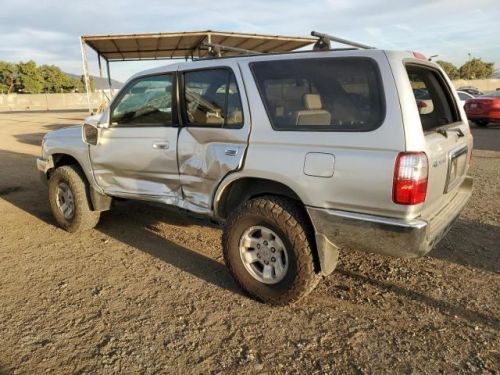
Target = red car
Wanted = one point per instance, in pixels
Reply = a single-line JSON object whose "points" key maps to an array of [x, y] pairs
{"points": [[484, 109]]}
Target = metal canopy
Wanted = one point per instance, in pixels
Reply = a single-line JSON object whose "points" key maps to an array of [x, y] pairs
{"points": [[157, 46]]}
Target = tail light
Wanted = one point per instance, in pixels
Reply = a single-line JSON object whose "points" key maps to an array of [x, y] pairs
{"points": [[410, 178], [495, 104]]}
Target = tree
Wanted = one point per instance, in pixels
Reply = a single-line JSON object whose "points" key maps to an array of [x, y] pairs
{"points": [[29, 79], [81, 84], [476, 69], [55, 80], [450, 69], [8, 74]]}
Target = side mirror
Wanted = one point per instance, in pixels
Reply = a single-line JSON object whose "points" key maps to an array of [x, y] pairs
{"points": [[90, 134]]}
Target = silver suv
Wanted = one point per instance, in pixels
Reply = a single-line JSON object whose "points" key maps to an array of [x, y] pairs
{"points": [[298, 154]]}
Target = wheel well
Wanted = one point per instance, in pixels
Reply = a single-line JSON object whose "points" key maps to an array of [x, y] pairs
{"points": [[248, 188], [59, 160]]}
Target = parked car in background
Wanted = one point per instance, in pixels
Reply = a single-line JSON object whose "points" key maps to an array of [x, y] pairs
{"points": [[484, 109], [471, 90], [464, 96], [424, 102]]}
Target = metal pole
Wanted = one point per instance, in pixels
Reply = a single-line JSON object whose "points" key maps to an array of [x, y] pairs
{"points": [[109, 79], [468, 70], [85, 72], [340, 40]]}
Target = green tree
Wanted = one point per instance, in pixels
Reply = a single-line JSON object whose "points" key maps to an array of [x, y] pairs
{"points": [[8, 73], [450, 69], [476, 69], [29, 79], [55, 80], [81, 84]]}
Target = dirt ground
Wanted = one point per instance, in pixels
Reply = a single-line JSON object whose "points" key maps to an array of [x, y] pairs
{"points": [[147, 291]]}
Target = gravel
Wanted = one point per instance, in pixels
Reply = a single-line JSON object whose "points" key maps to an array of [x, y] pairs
{"points": [[147, 291]]}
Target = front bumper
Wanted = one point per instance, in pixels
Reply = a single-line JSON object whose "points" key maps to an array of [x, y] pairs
{"points": [[43, 166], [389, 236]]}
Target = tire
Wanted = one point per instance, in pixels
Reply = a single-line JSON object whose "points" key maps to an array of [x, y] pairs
{"points": [[288, 225], [481, 123], [81, 217]]}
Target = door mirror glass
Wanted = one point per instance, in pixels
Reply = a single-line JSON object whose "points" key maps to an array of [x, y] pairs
{"points": [[90, 134]]}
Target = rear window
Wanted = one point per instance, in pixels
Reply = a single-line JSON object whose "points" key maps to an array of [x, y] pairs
{"points": [[329, 94], [432, 97]]}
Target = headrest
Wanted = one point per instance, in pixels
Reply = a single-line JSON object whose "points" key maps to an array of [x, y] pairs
{"points": [[312, 101]]}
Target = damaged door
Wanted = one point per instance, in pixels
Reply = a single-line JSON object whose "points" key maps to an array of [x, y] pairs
{"points": [[214, 135], [136, 154]]}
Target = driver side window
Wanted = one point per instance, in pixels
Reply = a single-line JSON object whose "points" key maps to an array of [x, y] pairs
{"points": [[146, 102]]}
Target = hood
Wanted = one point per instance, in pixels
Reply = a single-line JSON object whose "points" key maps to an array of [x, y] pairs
{"points": [[69, 132]]}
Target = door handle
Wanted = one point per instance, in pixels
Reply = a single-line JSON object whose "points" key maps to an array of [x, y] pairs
{"points": [[161, 145], [230, 151]]}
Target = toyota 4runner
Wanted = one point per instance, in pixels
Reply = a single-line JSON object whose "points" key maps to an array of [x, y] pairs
{"points": [[297, 154]]}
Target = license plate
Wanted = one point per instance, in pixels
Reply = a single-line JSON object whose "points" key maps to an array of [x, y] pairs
{"points": [[457, 162], [473, 105]]}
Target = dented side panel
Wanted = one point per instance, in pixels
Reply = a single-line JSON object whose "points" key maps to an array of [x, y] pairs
{"points": [[207, 154], [205, 157]]}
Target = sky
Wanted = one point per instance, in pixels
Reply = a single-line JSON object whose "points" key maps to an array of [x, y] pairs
{"points": [[47, 31]]}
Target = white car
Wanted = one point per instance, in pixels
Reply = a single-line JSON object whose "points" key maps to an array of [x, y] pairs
{"points": [[464, 96]]}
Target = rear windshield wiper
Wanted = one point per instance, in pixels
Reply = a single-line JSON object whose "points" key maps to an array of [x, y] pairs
{"points": [[444, 132]]}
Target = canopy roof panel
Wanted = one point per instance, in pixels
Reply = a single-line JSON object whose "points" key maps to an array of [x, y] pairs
{"points": [[187, 44]]}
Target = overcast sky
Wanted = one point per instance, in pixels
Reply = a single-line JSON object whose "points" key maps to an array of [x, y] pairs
{"points": [[47, 31]]}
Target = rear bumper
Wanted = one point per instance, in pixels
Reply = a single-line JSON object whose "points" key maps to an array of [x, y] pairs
{"points": [[389, 236], [492, 116]]}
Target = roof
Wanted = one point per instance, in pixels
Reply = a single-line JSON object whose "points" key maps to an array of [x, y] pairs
{"points": [[129, 47]]}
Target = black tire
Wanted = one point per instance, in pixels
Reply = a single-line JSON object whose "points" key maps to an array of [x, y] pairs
{"points": [[288, 221], [481, 123], [83, 217]]}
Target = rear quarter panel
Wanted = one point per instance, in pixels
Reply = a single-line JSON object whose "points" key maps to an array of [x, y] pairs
{"points": [[364, 161]]}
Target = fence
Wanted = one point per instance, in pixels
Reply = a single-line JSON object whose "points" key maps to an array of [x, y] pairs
{"points": [[51, 102]]}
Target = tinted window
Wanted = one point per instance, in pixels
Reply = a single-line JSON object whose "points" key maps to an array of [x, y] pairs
{"points": [[147, 101], [337, 94], [212, 98], [432, 97]]}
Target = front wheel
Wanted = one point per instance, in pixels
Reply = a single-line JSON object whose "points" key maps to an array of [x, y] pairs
{"points": [[267, 247], [69, 200]]}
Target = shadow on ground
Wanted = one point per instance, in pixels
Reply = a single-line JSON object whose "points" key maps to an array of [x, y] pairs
{"points": [[444, 307], [132, 223], [129, 222]]}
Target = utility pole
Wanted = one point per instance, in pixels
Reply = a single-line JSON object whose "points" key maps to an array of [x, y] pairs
{"points": [[468, 70]]}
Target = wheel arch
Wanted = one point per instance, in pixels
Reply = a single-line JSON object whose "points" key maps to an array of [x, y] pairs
{"points": [[99, 202], [243, 189]]}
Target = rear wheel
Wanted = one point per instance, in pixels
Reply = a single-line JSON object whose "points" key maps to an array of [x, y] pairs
{"points": [[268, 250], [70, 201]]}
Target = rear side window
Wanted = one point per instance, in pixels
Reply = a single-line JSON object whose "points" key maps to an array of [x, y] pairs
{"points": [[212, 99], [324, 94], [432, 97]]}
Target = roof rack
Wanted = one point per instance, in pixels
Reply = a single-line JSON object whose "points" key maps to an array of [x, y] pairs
{"points": [[215, 50], [324, 42]]}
